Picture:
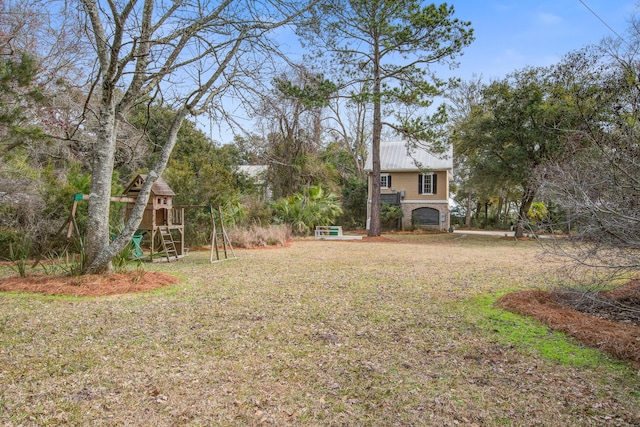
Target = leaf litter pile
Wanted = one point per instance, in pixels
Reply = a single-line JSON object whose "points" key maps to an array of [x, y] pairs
{"points": [[607, 320], [89, 286], [317, 333]]}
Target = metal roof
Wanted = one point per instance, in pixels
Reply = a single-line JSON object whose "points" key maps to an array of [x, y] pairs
{"points": [[253, 171], [394, 156]]}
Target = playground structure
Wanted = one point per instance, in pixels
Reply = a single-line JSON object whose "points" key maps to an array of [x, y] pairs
{"points": [[162, 223], [161, 230]]}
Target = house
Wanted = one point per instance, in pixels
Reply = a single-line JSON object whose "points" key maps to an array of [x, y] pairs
{"points": [[416, 180], [258, 173]]}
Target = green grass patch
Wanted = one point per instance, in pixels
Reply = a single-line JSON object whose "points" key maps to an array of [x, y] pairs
{"points": [[529, 335]]}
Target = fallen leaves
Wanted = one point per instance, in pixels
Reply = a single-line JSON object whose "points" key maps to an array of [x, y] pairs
{"points": [[89, 285], [319, 333], [622, 340]]}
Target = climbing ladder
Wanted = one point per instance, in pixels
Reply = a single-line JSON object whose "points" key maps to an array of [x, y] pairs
{"points": [[219, 239], [168, 244]]}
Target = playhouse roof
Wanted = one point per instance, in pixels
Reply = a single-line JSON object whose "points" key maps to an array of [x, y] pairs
{"points": [[159, 188]]}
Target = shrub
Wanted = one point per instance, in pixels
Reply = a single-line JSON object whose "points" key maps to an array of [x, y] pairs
{"points": [[257, 212], [9, 238], [354, 196], [256, 236], [390, 215], [303, 211], [19, 256]]}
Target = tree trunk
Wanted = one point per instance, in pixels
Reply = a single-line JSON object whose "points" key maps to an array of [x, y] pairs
{"points": [[507, 211], [97, 235], [101, 256], [525, 205], [467, 218], [374, 225], [499, 212], [486, 214]]}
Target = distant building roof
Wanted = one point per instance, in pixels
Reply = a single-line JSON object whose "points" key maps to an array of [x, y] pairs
{"points": [[394, 157], [253, 171]]}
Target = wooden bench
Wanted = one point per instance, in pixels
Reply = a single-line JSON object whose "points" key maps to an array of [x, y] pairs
{"points": [[333, 232]]}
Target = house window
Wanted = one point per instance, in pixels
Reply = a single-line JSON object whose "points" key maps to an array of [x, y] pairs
{"points": [[427, 183], [385, 180]]}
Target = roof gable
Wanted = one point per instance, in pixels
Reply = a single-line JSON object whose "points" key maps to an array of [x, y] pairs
{"points": [[159, 187], [394, 156]]}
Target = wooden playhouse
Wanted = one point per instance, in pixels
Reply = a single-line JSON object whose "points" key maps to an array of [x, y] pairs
{"points": [[161, 221], [162, 226]]}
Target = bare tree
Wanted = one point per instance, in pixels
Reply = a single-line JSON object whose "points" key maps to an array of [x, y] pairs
{"points": [[187, 53], [40, 61], [290, 115], [463, 98], [38, 45], [598, 187], [349, 118]]}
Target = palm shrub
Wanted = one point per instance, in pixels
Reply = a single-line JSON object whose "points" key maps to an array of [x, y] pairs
{"points": [[289, 210], [306, 209], [325, 206], [234, 211]]}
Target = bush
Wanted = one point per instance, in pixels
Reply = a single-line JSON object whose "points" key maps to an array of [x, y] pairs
{"points": [[256, 236], [303, 211], [257, 213], [19, 256], [9, 240], [390, 215], [354, 196]]}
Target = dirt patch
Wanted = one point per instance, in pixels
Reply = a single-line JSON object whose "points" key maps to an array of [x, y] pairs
{"points": [[88, 286], [521, 239], [608, 321], [376, 239]]}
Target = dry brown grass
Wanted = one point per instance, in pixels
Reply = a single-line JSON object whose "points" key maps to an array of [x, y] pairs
{"points": [[258, 237], [318, 333]]}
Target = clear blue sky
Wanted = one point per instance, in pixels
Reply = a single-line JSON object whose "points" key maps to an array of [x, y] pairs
{"points": [[512, 34]]}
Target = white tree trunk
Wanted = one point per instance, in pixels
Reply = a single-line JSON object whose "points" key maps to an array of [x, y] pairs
{"points": [[97, 235]]}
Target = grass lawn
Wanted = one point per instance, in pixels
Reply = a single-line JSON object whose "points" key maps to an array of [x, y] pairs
{"points": [[320, 333]]}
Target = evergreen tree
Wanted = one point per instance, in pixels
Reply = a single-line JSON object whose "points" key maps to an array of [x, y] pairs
{"points": [[384, 49], [18, 98]]}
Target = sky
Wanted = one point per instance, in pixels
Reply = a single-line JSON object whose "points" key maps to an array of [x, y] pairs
{"points": [[513, 34]]}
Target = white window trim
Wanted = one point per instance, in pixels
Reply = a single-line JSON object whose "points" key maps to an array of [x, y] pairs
{"points": [[422, 193], [422, 201], [386, 175]]}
